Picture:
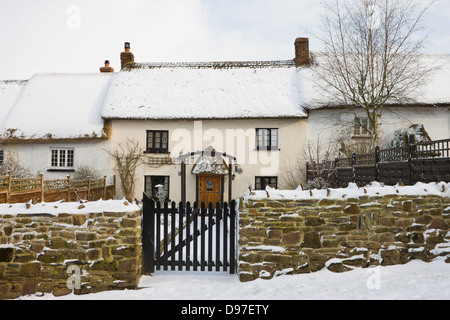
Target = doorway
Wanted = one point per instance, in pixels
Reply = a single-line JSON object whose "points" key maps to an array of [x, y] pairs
{"points": [[210, 188]]}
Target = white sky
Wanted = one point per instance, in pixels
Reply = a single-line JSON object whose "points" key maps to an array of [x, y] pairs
{"points": [[48, 36]]}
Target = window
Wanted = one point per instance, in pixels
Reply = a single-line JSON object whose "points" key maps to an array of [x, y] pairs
{"points": [[62, 158], [150, 186], [157, 141], [2, 156], [362, 127], [266, 139], [262, 182]]}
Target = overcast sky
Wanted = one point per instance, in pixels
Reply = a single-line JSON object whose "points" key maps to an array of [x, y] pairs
{"points": [[66, 36]]}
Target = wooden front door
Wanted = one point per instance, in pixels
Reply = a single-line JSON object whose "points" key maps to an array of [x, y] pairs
{"points": [[210, 189]]}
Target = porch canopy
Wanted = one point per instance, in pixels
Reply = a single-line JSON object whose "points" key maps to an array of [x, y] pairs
{"points": [[206, 165]]}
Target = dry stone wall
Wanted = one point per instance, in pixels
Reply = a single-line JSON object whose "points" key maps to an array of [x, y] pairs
{"points": [[282, 236], [69, 252]]}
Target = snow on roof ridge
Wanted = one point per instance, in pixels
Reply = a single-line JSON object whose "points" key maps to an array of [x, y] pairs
{"points": [[212, 64], [18, 81]]}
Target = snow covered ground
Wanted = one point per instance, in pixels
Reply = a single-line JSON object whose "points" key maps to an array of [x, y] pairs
{"points": [[416, 280]]}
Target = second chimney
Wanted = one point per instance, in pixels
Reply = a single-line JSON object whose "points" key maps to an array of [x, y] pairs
{"points": [[302, 57], [126, 57], [106, 68]]}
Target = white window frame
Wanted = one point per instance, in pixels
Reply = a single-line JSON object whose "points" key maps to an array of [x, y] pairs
{"points": [[62, 158], [362, 127]]}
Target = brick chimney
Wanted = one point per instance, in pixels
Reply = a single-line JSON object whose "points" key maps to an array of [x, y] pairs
{"points": [[302, 57], [106, 68], [126, 57]]}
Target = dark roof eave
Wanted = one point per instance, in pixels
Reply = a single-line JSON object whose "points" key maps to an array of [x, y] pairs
{"points": [[392, 105], [44, 140], [204, 119]]}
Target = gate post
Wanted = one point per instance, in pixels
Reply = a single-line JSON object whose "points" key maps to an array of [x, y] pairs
{"points": [[410, 160], [353, 168], [232, 237], [148, 235], [377, 162]]}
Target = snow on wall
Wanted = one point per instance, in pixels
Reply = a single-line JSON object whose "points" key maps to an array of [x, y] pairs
{"points": [[374, 189], [56, 208]]}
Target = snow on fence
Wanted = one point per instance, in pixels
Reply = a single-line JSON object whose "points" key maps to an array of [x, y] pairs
{"points": [[16, 190]]}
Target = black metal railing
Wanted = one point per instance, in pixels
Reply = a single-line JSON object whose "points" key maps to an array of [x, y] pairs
{"points": [[423, 161]]}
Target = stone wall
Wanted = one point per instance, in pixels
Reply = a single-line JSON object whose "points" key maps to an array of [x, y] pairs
{"points": [[39, 252], [280, 236]]}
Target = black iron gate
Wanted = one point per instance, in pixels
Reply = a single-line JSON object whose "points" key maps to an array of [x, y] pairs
{"points": [[188, 238]]}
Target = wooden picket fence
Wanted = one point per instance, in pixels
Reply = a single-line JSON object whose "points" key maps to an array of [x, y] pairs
{"points": [[18, 190]]}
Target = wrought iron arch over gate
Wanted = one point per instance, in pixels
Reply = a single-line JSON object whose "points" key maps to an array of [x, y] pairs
{"points": [[208, 152]]}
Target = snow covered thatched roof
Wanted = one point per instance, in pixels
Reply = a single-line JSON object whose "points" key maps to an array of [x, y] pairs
{"points": [[9, 93], [75, 106], [431, 91], [216, 90], [54, 106]]}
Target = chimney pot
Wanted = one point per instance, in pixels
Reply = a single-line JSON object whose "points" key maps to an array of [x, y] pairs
{"points": [[126, 57], [106, 68], [127, 47], [302, 56]]}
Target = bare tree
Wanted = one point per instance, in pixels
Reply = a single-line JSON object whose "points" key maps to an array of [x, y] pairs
{"points": [[84, 172], [11, 164], [318, 172], [371, 57], [127, 158]]}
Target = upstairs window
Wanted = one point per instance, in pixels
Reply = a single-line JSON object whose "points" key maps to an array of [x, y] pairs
{"points": [[157, 141], [2, 156], [362, 127], [266, 139], [62, 158]]}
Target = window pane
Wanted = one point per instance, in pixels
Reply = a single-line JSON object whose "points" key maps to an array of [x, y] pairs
{"points": [[70, 156], [62, 158], [259, 138], [273, 182], [258, 184], [266, 134], [148, 186], [357, 128], [54, 158], [157, 140], [165, 140], [150, 140], [2, 156], [274, 138]]}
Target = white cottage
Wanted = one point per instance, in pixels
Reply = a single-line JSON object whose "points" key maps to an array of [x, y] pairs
{"points": [[208, 131], [51, 124]]}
